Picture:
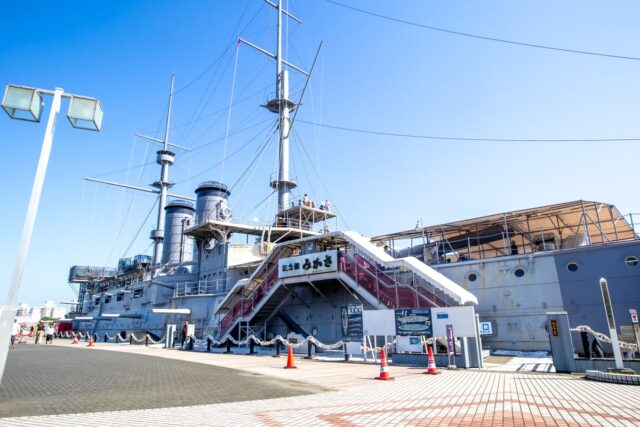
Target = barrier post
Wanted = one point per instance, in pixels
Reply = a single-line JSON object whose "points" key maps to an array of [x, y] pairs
{"points": [[86, 337], [146, 340], [105, 337], [208, 344], [347, 356], [228, 346], [278, 348], [95, 337], [130, 339], [252, 346]]}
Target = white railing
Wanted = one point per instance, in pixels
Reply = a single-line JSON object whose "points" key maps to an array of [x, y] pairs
{"points": [[201, 287]]}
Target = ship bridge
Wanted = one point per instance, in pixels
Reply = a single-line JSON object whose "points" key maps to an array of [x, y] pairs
{"points": [[344, 261]]}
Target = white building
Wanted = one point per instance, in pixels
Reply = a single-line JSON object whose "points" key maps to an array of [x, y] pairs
{"points": [[30, 315]]}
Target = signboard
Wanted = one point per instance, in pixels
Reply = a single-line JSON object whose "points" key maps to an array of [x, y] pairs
{"points": [[554, 328], [463, 318], [379, 322], [451, 343], [634, 315], [302, 265], [486, 328], [413, 322], [351, 316]]}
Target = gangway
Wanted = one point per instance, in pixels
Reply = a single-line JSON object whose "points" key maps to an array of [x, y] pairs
{"points": [[366, 269]]}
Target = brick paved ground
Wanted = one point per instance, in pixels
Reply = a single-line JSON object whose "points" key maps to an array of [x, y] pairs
{"points": [[57, 380], [456, 398]]}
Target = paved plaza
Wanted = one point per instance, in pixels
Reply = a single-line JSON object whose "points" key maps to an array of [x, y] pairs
{"points": [[456, 398], [48, 379]]}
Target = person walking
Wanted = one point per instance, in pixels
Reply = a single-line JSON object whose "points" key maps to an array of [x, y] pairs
{"points": [[40, 332], [15, 333], [185, 332], [49, 330]]}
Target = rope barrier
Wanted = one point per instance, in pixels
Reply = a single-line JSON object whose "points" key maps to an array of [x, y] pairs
{"points": [[602, 337]]}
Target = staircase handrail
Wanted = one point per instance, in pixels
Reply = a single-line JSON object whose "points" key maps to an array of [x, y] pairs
{"points": [[438, 280]]}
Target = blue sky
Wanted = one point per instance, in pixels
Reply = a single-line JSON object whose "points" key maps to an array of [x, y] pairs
{"points": [[372, 74]]}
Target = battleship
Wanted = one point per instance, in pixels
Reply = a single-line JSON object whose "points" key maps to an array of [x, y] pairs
{"points": [[295, 273]]}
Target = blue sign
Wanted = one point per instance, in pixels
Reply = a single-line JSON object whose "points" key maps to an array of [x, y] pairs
{"points": [[413, 322], [442, 315]]}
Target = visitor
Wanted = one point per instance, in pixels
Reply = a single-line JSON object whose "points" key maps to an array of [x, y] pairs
{"points": [[327, 205], [15, 333], [514, 248], [40, 332], [185, 332], [49, 330]]}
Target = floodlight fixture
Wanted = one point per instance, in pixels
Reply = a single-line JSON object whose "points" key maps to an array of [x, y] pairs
{"points": [[85, 113], [23, 103]]}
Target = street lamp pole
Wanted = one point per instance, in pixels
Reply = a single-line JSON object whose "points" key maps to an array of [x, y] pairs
{"points": [[9, 310]]}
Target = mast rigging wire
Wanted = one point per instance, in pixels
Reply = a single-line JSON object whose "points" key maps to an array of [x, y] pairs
{"points": [[457, 138], [481, 37], [233, 87]]}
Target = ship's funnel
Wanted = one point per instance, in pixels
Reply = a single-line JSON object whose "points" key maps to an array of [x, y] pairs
{"points": [[211, 202], [177, 247]]}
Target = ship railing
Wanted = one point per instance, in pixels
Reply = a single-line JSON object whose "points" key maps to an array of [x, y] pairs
{"points": [[247, 304], [200, 287], [388, 286]]}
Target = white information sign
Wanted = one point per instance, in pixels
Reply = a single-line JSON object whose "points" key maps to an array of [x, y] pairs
{"points": [[302, 265], [462, 318]]}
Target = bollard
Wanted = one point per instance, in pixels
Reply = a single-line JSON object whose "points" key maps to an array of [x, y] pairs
{"points": [[585, 345], [252, 347], [146, 340], [95, 337], [86, 337], [278, 348], [130, 339], [347, 356], [208, 344], [105, 337], [309, 350], [228, 346], [192, 341]]}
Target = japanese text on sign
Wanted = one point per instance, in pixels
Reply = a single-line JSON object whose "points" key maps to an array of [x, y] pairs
{"points": [[320, 262]]}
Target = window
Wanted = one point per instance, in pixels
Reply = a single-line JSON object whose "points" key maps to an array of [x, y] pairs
{"points": [[120, 296], [107, 299], [572, 266], [137, 293], [472, 277], [96, 301], [518, 272], [631, 261]]}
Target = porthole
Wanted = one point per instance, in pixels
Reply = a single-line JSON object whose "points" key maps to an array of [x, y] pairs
{"points": [[631, 261], [572, 267], [518, 272], [472, 277]]}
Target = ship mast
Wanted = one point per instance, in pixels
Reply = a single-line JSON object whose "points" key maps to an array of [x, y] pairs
{"points": [[283, 106], [165, 159]]}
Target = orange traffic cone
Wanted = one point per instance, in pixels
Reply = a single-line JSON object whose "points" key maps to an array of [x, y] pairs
{"points": [[90, 342], [75, 339], [290, 364], [431, 363], [384, 369]]}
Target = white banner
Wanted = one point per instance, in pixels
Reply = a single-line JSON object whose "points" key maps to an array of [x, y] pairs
{"points": [[319, 262]]}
